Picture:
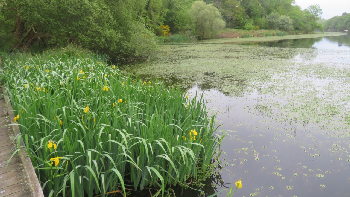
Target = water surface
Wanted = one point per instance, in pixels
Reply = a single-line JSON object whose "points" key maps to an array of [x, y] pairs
{"points": [[284, 107]]}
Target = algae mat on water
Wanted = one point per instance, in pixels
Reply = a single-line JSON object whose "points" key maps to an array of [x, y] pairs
{"points": [[288, 104]]}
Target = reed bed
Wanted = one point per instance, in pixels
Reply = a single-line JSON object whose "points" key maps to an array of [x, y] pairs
{"points": [[91, 131]]}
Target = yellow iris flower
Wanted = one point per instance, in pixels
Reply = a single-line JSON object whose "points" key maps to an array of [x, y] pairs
{"points": [[56, 160], [86, 109], [51, 144], [239, 183], [105, 88], [194, 132], [16, 118]]}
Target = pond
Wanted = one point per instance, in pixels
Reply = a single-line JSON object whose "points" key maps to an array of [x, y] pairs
{"points": [[284, 107]]}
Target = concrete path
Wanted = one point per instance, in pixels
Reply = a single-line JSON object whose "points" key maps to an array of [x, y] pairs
{"points": [[18, 178]]}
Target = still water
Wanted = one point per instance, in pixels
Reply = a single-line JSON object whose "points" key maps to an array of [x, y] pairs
{"points": [[284, 107]]}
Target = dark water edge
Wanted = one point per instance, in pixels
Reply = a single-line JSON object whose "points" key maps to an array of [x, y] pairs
{"points": [[330, 42]]}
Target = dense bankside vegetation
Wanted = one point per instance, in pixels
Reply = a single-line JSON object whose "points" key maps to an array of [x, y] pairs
{"points": [[91, 131], [127, 30], [338, 23]]}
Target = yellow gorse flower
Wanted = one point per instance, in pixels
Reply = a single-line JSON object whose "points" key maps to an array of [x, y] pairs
{"points": [[120, 100], [38, 88], [51, 144], [81, 72], [239, 183], [56, 160], [105, 88], [194, 132], [86, 109], [16, 118], [47, 71]]}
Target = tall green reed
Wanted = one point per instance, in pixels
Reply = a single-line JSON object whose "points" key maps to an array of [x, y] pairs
{"points": [[90, 130]]}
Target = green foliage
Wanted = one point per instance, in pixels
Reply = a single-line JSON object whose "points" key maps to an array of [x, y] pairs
{"points": [[338, 23], [249, 26], [178, 38], [247, 36], [285, 23], [281, 33], [154, 15], [261, 22], [112, 28], [252, 8], [232, 12], [273, 20], [207, 19], [269, 34], [177, 16], [103, 129]]}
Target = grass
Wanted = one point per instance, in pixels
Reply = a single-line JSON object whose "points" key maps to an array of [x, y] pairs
{"points": [[90, 131], [174, 39], [269, 38]]}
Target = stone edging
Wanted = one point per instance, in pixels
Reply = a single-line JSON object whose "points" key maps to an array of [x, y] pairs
{"points": [[33, 183]]}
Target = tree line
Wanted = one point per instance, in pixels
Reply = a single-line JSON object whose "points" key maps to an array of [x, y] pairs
{"points": [[338, 23], [126, 29]]}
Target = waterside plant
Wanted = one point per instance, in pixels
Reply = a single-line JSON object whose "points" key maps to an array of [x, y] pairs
{"points": [[90, 131]]}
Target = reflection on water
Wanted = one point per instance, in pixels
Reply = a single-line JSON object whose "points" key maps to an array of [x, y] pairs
{"points": [[331, 42], [285, 111]]}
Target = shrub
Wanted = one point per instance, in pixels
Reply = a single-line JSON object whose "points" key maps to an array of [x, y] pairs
{"points": [[247, 36], [281, 33], [207, 19], [285, 23], [273, 20], [178, 38], [269, 34], [249, 26]]}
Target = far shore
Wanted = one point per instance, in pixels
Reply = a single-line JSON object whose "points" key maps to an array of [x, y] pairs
{"points": [[270, 38]]}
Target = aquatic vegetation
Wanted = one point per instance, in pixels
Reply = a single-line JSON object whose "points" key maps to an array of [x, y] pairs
{"points": [[288, 107], [89, 130]]}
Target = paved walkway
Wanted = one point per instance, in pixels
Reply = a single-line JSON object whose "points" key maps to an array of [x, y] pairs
{"points": [[18, 178]]}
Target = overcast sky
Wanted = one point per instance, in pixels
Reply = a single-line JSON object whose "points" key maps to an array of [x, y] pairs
{"points": [[330, 8]]}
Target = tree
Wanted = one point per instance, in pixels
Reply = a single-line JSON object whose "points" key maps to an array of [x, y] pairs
{"points": [[177, 16], [155, 15], [232, 12], [253, 8], [312, 14], [116, 29], [285, 23], [207, 19], [315, 11], [273, 20]]}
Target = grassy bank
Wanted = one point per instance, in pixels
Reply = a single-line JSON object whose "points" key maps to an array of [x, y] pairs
{"points": [[270, 38], [91, 131]]}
